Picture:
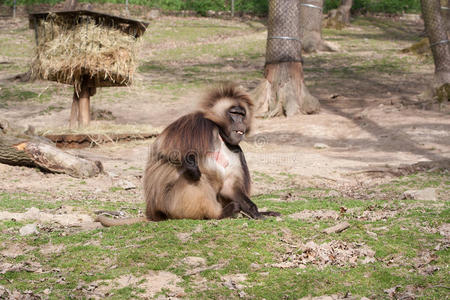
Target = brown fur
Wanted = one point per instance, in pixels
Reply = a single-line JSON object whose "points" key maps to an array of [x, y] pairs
{"points": [[220, 191], [231, 94]]}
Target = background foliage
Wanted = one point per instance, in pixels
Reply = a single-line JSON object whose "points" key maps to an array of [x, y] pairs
{"points": [[258, 7]]}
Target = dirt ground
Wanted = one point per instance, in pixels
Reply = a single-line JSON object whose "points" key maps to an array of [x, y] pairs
{"points": [[320, 171], [363, 123]]}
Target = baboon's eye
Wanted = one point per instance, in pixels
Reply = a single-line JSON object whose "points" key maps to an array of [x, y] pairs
{"points": [[237, 110]]}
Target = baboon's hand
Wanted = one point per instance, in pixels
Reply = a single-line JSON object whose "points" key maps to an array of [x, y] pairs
{"points": [[251, 210], [270, 213]]}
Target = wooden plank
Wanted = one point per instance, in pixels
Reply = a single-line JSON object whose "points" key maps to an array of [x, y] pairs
{"points": [[75, 111], [139, 25], [84, 114]]}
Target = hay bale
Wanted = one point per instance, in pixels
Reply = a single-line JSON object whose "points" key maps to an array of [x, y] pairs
{"points": [[71, 48]]}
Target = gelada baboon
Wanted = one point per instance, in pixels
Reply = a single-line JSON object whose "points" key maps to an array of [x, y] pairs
{"points": [[196, 169]]}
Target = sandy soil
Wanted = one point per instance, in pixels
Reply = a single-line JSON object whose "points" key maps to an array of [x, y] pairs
{"points": [[364, 126]]}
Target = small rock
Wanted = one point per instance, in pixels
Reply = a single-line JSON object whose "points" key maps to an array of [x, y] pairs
{"points": [[368, 260], [194, 261], [112, 174], [242, 294], [33, 213], [392, 291], [321, 146], [333, 194], [444, 230], [372, 234], [28, 229], [233, 282], [184, 236], [425, 194], [126, 185]]}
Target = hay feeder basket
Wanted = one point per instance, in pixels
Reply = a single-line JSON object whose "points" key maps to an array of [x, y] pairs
{"points": [[85, 49]]}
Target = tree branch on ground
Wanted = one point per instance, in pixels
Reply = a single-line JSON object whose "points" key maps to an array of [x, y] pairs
{"points": [[20, 148]]}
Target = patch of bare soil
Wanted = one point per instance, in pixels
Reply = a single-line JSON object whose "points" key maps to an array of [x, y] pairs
{"points": [[235, 282], [152, 283], [28, 266], [66, 220], [373, 213], [51, 249], [7, 294], [347, 296], [366, 122], [315, 215], [14, 249], [337, 253]]}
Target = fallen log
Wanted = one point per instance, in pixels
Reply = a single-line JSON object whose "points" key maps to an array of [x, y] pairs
{"points": [[90, 140], [26, 149]]}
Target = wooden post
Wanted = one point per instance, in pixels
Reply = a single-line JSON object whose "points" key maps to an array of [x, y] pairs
{"points": [[75, 110], [84, 116], [232, 8], [14, 8]]}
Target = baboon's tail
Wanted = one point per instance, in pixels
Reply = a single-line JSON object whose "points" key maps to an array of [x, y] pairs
{"points": [[108, 222]]}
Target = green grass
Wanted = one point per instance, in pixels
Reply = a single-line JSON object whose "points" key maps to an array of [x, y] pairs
{"points": [[236, 244], [22, 93], [186, 55]]}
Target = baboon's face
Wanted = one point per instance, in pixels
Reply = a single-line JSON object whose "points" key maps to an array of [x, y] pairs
{"points": [[235, 131]]}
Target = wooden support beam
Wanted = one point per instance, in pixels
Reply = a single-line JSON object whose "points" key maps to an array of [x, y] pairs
{"points": [[75, 110], [84, 116]]}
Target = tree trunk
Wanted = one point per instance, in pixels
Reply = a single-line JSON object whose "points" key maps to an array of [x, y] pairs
{"points": [[84, 113], [19, 149], [311, 26], [283, 91], [80, 115], [340, 17], [446, 12], [70, 4], [345, 8], [436, 28]]}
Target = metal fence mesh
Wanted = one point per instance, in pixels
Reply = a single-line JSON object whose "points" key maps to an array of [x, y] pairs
{"points": [[283, 40], [436, 26], [310, 16]]}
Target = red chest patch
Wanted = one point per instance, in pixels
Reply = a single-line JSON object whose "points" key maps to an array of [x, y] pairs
{"points": [[219, 157]]}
